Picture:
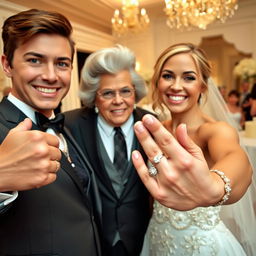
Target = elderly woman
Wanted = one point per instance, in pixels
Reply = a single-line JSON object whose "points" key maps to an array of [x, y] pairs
{"points": [[110, 88]]}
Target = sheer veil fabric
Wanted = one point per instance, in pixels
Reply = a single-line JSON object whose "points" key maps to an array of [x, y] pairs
{"points": [[240, 217]]}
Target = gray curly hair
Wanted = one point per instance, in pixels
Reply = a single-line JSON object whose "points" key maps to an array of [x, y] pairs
{"points": [[108, 61]]}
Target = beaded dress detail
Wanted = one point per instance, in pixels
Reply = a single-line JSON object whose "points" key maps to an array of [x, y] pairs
{"points": [[196, 232]]}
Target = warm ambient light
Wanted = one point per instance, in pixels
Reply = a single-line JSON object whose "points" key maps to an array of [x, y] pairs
{"points": [[198, 13], [131, 20]]}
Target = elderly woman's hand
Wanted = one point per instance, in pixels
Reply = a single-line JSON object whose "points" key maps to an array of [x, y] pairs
{"points": [[182, 179]]}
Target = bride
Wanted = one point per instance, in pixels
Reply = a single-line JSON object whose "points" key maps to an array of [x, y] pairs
{"points": [[180, 81]]}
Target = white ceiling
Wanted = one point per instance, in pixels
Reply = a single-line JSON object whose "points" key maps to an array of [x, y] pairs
{"points": [[95, 14], [92, 13]]}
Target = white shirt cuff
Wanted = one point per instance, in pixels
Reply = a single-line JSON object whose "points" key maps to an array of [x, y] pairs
{"points": [[7, 198]]}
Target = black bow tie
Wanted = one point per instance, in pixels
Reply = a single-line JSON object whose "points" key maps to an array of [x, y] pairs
{"points": [[44, 123]]}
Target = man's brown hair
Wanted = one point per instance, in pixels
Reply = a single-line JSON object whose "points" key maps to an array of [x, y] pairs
{"points": [[21, 27]]}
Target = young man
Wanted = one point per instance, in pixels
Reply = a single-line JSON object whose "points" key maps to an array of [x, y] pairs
{"points": [[56, 219]]}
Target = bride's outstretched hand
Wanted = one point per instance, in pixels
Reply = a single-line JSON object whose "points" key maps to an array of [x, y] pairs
{"points": [[181, 178]]}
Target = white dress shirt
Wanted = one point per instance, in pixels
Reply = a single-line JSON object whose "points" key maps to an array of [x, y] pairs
{"points": [[107, 133]]}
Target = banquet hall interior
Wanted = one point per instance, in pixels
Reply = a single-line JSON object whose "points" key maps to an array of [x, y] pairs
{"points": [[148, 27], [226, 40]]}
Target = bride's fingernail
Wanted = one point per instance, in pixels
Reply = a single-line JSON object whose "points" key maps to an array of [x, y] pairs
{"points": [[139, 127], [148, 120], [135, 155]]}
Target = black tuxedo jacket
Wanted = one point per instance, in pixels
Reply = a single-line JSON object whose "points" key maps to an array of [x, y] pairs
{"points": [[56, 219], [131, 212]]}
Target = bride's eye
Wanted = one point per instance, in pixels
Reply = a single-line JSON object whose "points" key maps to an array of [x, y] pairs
{"points": [[189, 78], [167, 76]]}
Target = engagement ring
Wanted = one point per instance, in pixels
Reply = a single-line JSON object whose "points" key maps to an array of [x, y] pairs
{"points": [[152, 170], [158, 158]]}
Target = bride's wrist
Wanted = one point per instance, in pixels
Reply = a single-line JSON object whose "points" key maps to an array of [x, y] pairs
{"points": [[224, 182]]}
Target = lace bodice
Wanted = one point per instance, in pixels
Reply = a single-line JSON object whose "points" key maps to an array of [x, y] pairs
{"points": [[204, 218], [198, 232]]}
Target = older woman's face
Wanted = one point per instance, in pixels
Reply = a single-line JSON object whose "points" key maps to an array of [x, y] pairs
{"points": [[115, 97]]}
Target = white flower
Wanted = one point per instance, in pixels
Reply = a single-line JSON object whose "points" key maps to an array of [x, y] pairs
{"points": [[246, 68]]}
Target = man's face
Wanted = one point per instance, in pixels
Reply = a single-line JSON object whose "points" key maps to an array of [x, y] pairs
{"points": [[41, 71]]}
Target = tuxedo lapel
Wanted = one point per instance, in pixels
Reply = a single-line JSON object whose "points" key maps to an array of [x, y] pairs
{"points": [[65, 166], [86, 166], [137, 114], [133, 176], [11, 113], [90, 145]]}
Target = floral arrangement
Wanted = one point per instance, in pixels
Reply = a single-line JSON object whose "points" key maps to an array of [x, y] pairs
{"points": [[246, 68]]}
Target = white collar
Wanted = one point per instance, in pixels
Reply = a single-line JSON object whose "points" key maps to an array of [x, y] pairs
{"points": [[23, 107], [109, 130]]}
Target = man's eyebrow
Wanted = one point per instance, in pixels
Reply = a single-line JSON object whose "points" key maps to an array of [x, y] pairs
{"points": [[39, 55], [64, 58], [34, 54]]}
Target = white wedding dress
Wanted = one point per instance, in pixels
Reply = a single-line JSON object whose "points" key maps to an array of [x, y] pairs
{"points": [[189, 233]]}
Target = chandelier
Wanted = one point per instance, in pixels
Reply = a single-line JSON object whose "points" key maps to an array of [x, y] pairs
{"points": [[198, 13], [131, 20]]}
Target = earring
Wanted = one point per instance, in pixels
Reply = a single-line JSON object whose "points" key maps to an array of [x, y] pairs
{"points": [[96, 109], [134, 106]]}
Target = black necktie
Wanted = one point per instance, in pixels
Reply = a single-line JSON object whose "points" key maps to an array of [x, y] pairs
{"points": [[120, 156], [44, 123]]}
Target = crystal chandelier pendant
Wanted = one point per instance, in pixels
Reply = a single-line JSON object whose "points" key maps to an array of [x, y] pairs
{"points": [[198, 13], [131, 19]]}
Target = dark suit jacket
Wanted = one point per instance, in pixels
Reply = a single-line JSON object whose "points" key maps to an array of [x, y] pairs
{"points": [[56, 219], [247, 110], [131, 212]]}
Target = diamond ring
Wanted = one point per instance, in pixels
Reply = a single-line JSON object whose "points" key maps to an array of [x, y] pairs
{"points": [[158, 158], [152, 170]]}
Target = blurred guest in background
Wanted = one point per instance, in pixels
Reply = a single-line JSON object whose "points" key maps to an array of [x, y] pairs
{"points": [[235, 111], [253, 101], [245, 100], [110, 88], [223, 91]]}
